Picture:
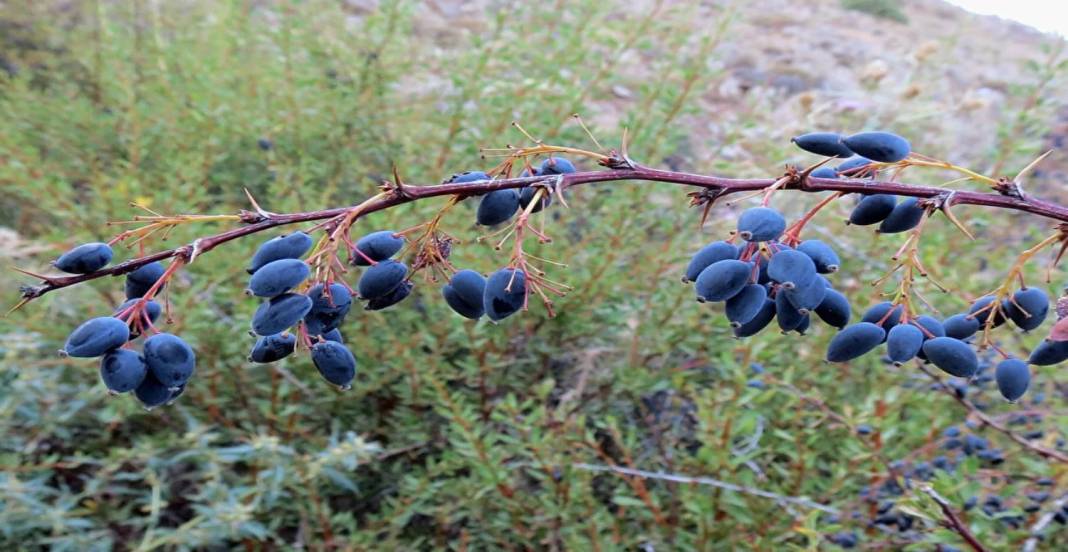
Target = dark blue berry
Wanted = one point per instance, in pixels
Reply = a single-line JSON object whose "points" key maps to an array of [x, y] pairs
{"points": [[334, 362], [827, 144], [376, 246], [952, 356], [278, 277], [333, 335], [122, 370], [905, 216], [556, 165], [96, 337], [854, 341], [746, 304], [286, 246], [1028, 308], [141, 280], [983, 304], [834, 309], [873, 209], [327, 311], [824, 172], [271, 348], [711, 253], [822, 255], [1049, 353], [280, 313], [722, 280], [464, 293], [883, 147], [806, 297], [169, 359], [787, 315], [398, 294], [931, 326], [151, 392], [760, 321], [791, 268], [852, 166], [381, 279], [761, 224], [1013, 377], [497, 207], [903, 342], [85, 258], [505, 293], [469, 176], [881, 314], [960, 326]]}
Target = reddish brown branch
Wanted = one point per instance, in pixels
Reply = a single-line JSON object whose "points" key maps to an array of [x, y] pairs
{"points": [[720, 185], [953, 522]]}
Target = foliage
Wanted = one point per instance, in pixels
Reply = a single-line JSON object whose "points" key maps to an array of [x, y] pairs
{"points": [[457, 434], [885, 9]]}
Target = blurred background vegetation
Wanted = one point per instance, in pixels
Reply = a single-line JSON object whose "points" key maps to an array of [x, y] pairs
{"points": [[461, 435]]}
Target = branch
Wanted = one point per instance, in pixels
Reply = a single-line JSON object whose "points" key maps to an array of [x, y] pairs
{"points": [[954, 522], [1036, 530], [720, 186]]}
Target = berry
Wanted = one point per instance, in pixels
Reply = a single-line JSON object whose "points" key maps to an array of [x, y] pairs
{"points": [[85, 258], [905, 216], [1049, 353], [883, 147], [556, 165], [96, 337], [746, 304], [953, 356], [272, 348], [1028, 308], [333, 335], [469, 176], [824, 172], [903, 342], [932, 326], [152, 393], [334, 362], [761, 224], [880, 314], [381, 279], [122, 370], [960, 326], [760, 321], [505, 293], [873, 209], [280, 313], [141, 280], [791, 268], [264, 144], [169, 359], [822, 255], [788, 316], [1013, 376], [982, 304], [851, 165], [854, 341], [497, 207], [278, 277], [392, 298], [526, 195], [827, 144], [711, 253], [834, 309], [464, 293], [286, 246], [152, 309], [807, 297], [722, 280], [327, 312], [376, 246]]}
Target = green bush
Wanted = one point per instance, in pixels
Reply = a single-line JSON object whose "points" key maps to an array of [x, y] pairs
{"points": [[885, 9]]}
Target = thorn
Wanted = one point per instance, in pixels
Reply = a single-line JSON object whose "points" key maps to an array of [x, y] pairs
{"points": [[43, 278]]}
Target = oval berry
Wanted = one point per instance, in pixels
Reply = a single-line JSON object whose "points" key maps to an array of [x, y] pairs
{"points": [[1028, 308], [328, 310], [96, 337], [746, 304], [278, 277], [464, 294], [834, 309], [556, 165], [1013, 377], [1049, 353], [791, 268], [141, 280], [880, 314], [983, 304], [824, 172], [497, 207], [381, 279], [286, 246], [760, 224], [960, 326], [807, 297], [933, 326], [398, 294], [827, 144], [85, 258], [884, 147], [272, 348], [505, 293], [152, 393], [280, 313], [854, 341], [469, 176], [376, 246], [169, 359], [905, 216], [952, 356], [851, 167], [335, 363], [873, 209], [526, 195], [787, 315], [711, 253], [760, 321], [903, 342], [722, 280], [824, 257], [122, 370], [333, 335]]}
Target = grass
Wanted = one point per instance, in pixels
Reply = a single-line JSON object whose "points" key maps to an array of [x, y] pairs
{"points": [[458, 435]]}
